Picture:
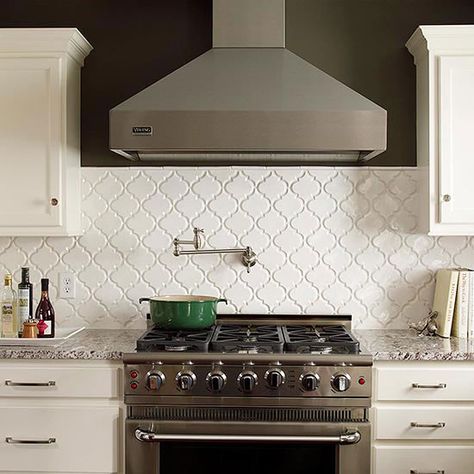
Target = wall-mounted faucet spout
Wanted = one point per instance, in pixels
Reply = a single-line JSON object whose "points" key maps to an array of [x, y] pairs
{"points": [[249, 258]]}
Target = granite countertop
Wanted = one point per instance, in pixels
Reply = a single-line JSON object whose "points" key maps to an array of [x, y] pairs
{"points": [[89, 344], [110, 344], [408, 345]]}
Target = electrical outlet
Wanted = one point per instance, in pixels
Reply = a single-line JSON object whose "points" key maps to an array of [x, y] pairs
{"points": [[67, 286]]}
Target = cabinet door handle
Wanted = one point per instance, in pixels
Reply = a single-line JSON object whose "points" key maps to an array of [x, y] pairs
{"points": [[415, 471], [10, 383], [10, 440], [54, 202], [415, 424], [428, 385]]}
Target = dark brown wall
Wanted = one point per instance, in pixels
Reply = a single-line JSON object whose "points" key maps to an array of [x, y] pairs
{"points": [[362, 44], [136, 42]]}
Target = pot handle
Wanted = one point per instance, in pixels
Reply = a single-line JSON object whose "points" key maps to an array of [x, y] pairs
{"points": [[222, 300], [141, 300]]}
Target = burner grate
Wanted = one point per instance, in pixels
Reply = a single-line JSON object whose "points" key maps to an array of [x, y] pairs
{"points": [[330, 339], [248, 339], [157, 339]]}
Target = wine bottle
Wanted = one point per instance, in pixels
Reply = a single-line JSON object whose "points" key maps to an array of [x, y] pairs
{"points": [[9, 309], [45, 312], [25, 299]]}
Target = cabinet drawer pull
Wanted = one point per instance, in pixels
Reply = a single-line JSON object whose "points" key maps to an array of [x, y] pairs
{"points": [[415, 424], [423, 385], [415, 471], [10, 383], [10, 440]]}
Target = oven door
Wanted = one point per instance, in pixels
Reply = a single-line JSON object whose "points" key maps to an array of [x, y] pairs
{"points": [[172, 447]]}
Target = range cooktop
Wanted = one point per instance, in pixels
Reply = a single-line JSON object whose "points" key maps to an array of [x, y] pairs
{"points": [[271, 356], [302, 338]]}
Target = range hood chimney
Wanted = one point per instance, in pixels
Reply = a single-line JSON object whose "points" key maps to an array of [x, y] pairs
{"points": [[248, 100]]}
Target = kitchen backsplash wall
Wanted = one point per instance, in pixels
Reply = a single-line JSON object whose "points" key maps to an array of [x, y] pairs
{"points": [[328, 240]]}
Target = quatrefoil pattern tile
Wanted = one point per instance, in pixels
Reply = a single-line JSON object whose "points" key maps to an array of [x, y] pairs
{"points": [[328, 240]]}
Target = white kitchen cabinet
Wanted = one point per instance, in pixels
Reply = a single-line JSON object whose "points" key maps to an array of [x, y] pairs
{"points": [[435, 459], [423, 417], [73, 439], [40, 181], [444, 58], [73, 409]]}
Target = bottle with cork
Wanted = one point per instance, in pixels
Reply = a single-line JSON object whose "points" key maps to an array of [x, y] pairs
{"points": [[25, 299], [45, 312]]}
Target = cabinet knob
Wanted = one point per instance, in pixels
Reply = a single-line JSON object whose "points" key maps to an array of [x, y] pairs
{"points": [[54, 201], [446, 197]]}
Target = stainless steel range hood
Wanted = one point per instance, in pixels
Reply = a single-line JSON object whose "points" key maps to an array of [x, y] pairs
{"points": [[239, 104]]}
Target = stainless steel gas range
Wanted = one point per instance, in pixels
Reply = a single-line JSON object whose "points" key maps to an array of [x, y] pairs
{"points": [[250, 395]]}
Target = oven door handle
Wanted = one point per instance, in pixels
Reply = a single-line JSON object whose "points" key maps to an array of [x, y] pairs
{"points": [[352, 437]]}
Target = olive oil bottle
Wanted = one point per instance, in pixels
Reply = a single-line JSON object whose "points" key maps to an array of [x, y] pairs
{"points": [[8, 310]]}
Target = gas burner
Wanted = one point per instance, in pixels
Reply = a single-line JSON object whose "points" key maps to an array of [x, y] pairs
{"points": [[247, 339], [157, 339], [307, 339]]}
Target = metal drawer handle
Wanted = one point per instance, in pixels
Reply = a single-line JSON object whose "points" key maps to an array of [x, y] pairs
{"points": [[345, 438], [10, 440], [414, 424], [9, 383], [422, 385], [415, 471]]}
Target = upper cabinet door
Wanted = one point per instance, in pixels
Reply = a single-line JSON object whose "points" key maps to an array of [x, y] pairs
{"points": [[444, 58], [40, 158], [30, 152], [456, 139]]}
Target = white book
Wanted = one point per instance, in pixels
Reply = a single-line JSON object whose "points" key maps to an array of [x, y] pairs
{"points": [[470, 311], [461, 308], [445, 299]]}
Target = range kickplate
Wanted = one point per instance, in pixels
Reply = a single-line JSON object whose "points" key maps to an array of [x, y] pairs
{"points": [[156, 339], [247, 339], [328, 339]]}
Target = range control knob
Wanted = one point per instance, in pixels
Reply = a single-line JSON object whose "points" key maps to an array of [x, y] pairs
{"points": [[154, 380], [310, 382], [341, 382], [275, 378], [216, 381], [247, 381], [185, 381]]}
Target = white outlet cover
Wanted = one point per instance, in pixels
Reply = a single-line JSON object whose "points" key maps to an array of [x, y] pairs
{"points": [[67, 285]]}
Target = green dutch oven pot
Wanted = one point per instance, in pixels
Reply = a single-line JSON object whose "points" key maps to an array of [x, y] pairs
{"points": [[185, 312]]}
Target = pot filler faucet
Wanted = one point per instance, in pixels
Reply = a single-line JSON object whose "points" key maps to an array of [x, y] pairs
{"points": [[248, 258]]}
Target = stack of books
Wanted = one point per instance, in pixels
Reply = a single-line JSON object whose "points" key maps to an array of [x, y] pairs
{"points": [[454, 302]]}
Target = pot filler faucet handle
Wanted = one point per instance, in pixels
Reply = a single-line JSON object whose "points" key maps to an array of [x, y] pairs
{"points": [[249, 258], [198, 240]]}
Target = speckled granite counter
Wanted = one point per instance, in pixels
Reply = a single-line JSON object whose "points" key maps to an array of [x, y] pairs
{"points": [[110, 344], [89, 344], [407, 345]]}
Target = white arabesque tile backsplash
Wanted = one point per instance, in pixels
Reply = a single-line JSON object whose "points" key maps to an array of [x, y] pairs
{"points": [[328, 240]]}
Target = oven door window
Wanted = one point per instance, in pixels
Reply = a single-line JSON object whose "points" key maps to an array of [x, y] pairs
{"points": [[238, 458]]}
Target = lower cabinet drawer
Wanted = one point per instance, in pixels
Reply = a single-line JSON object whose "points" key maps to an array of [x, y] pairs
{"points": [[424, 381], [423, 460], [64, 382], [424, 423], [68, 439]]}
